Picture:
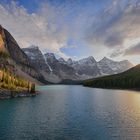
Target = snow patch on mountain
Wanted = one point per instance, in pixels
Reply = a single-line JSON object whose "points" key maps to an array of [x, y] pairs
{"points": [[85, 68]]}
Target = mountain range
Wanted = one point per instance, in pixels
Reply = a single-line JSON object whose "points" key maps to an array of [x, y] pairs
{"points": [[129, 79], [55, 70], [31, 64]]}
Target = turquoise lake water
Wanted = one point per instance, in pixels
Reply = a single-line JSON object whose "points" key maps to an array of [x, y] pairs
{"points": [[72, 113]]}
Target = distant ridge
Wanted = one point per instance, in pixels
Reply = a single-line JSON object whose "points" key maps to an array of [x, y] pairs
{"points": [[129, 79]]}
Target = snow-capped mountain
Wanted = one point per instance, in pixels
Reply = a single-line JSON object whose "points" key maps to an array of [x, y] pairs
{"points": [[60, 67], [69, 61], [55, 70], [108, 66], [62, 60], [39, 61], [86, 67], [37, 58], [125, 65]]}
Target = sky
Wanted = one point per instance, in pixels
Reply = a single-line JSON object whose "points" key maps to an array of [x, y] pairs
{"points": [[76, 28]]}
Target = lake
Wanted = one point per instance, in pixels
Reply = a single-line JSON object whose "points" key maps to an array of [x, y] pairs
{"points": [[72, 113]]}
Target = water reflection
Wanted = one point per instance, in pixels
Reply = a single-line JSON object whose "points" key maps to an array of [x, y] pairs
{"points": [[72, 113]]}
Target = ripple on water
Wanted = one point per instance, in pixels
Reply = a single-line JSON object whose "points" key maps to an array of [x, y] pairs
{"points": [[72, 113]]}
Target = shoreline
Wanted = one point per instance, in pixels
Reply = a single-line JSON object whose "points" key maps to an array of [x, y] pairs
{"points": [[115, 88], [7, 94]]}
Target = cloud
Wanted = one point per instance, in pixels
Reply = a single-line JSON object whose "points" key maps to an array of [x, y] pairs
{"points": [[114, 39], [134, 50], [116, 53], [49, 27], [109, 26], [116, 24], [32, 28]]}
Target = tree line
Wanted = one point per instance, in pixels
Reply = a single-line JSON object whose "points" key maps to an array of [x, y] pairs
{"points": [[13, 82], [129, 79]]}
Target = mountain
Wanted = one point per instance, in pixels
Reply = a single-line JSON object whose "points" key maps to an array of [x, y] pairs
{"points": [[69, 61], [15, 60], [129, 79], [36, 58], [53, 70], [61, 60], [108, 66], [39, 61], [86, 67], [60, 67], [60, 70]]}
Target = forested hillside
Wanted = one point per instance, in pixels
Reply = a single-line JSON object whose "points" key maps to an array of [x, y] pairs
{"points": [[10, 81], [129, 79]]}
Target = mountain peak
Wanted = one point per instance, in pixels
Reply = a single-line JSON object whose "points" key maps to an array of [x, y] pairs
{"points": [[106, 60], [105, 57], [61, 60], [50, 57], [32, 52], [87, 61], [69, 61], [91, 58]]}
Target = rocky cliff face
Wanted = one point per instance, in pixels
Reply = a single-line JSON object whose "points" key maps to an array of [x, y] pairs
{"points": [[16, 60], [36, 58], [60, 67], [14, 50], [3, 47], [86, 67], [53, 70]]}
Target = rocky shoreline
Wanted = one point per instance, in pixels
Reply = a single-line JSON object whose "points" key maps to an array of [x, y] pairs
{"points": [[7, 94]]}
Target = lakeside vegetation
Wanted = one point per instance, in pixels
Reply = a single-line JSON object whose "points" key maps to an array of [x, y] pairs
{"points": [[129, 79], [12, 82]]}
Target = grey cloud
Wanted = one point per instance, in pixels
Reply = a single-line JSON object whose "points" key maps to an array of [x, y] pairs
{"points": [[116, 39], [116, 53], [51, 27], [116, 24], [134, 50], [29, 29]]}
